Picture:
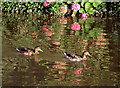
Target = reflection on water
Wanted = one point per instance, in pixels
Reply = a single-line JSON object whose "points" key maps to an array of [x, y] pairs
{"points": [[56, 35]]}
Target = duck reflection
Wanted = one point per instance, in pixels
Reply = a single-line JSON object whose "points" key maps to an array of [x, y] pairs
{"points": [[62, 71]]}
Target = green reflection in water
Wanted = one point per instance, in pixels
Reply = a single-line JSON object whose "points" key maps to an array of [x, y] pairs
{"points": [[54, 35]]}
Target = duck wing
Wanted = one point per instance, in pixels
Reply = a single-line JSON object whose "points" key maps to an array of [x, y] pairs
{"points": [[78, 55], [69, 55], [22, 50]]}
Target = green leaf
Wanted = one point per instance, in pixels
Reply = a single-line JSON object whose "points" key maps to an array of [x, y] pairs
{"points": [[95, 4], [90, 20], [118, 8], [81, 21], [88, 6], [103, 4], [76, 32], [69, 2], [81, 10], [82, 27], [87, 25], [82, 4], [74, 12], [90, 11], [30, 10], [75, 19]]}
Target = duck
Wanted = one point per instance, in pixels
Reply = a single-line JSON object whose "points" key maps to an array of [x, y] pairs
{"points": [[29, 51], [76, 57]]}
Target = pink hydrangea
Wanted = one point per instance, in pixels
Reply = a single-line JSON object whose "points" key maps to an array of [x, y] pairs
{"points": [[45, 3], [83, 18], [75, 7], [75, 26], [83, 15]]}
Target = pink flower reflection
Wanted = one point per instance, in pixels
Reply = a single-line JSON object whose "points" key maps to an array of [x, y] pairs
{"points": [[100, 43], [100, 37], [45, 22], [51, 29], [101, 40], [49, 33], [75, 26], [78, 79], [45, 3], [45, 29], [98, 52], [102, 33], [45, 26], [48, 38], [79, 71], [75, 7], [56, 43]]}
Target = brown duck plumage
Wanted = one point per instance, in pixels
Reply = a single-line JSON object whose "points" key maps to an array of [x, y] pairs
{"points": [[28, 51]]}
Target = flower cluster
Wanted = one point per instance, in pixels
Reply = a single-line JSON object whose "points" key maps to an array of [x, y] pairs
{"points": [[75, 26], [46, 3], [75, 7], [83, 16], [64, 9]]}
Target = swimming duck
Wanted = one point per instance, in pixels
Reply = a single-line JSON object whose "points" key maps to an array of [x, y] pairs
{"points": [[75, 57], [28, 51]]}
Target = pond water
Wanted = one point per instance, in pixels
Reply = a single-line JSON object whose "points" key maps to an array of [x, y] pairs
{"points": [[55, 35]]}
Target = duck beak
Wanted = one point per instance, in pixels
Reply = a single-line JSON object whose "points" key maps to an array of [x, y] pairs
{"points": [[40, 50], [89, 55]]}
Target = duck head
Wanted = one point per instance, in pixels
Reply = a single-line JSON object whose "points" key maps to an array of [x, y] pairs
{"points": [[37, 49], [87, 53]]}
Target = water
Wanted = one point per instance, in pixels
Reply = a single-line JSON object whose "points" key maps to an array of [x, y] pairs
{"points": [[98, 36]]}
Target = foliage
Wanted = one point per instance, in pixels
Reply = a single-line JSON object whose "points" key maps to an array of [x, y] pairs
{"points": [[52, 8]]}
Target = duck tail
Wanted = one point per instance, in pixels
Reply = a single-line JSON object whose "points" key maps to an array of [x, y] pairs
{"points": [[65, 53], [18, 49]]}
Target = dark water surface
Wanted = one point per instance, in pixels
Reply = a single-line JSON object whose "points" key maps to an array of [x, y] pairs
{"points": [[54, 35]]}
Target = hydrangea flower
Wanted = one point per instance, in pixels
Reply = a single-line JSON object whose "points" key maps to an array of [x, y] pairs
{"points": [[83, 15], [45, 3], [83, 18], [75, 7], [75, 26]]}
